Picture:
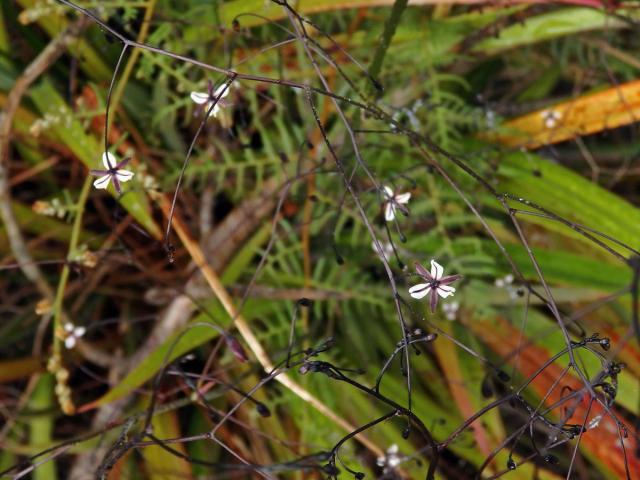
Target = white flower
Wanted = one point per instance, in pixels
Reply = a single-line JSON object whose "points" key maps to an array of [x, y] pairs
{"points": [[506, 282], [451, 310], [207, 99], [73, 334], [394, 201], [112, 170], [550, 118], [391, 459], [435, 284]]}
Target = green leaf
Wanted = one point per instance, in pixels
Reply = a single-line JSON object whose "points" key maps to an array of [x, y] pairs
{"points": [[570, 196], [568, 268], [41, 423], [159, 463], [554, 24], [151, 364]]}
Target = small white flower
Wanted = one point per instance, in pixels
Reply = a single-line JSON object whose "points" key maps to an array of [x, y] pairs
{"points": [[391, 459], [206, 99], [451, 310], [550, 118], [436, 284], [506, 282], [394, 201], [73, 333], [112, 170]]}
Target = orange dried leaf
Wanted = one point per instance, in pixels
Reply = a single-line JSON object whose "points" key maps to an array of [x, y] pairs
{"points": [[604, 442], [591, 113]]}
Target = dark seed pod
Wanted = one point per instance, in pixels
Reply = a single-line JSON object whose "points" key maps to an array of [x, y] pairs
{"points": [[486, 388], [263, 410], [330, 469], [377, 85], [304, 302]]}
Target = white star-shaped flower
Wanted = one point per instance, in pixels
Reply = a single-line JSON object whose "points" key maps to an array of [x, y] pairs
{"points": [[112, 170], [451, 310], [73, 334], [394, 201], [436, 284], [391, 459], [206, 99], [550, 118], [506, 282]]}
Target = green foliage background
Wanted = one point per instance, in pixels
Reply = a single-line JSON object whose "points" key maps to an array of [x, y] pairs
{"points": [[448, 75]]}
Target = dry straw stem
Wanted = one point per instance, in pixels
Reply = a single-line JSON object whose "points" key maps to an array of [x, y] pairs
{"points": [[241, 324]]}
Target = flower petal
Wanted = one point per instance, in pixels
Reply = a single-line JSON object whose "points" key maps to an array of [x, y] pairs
{"points": [[68, 327], [445, 290], [449, 279], [200, 97], [389, 212], [222, 91], [420, 290], [388, 191], [124, 175], [102, 182], [70, 342], [436, 270], [79, 331], [423, 272], [109, 160], [403, 197], [116, 184], [123, 163], [433, 303]]}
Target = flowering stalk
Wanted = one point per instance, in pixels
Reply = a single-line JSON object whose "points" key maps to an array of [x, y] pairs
{"points": [[63, 392]]}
